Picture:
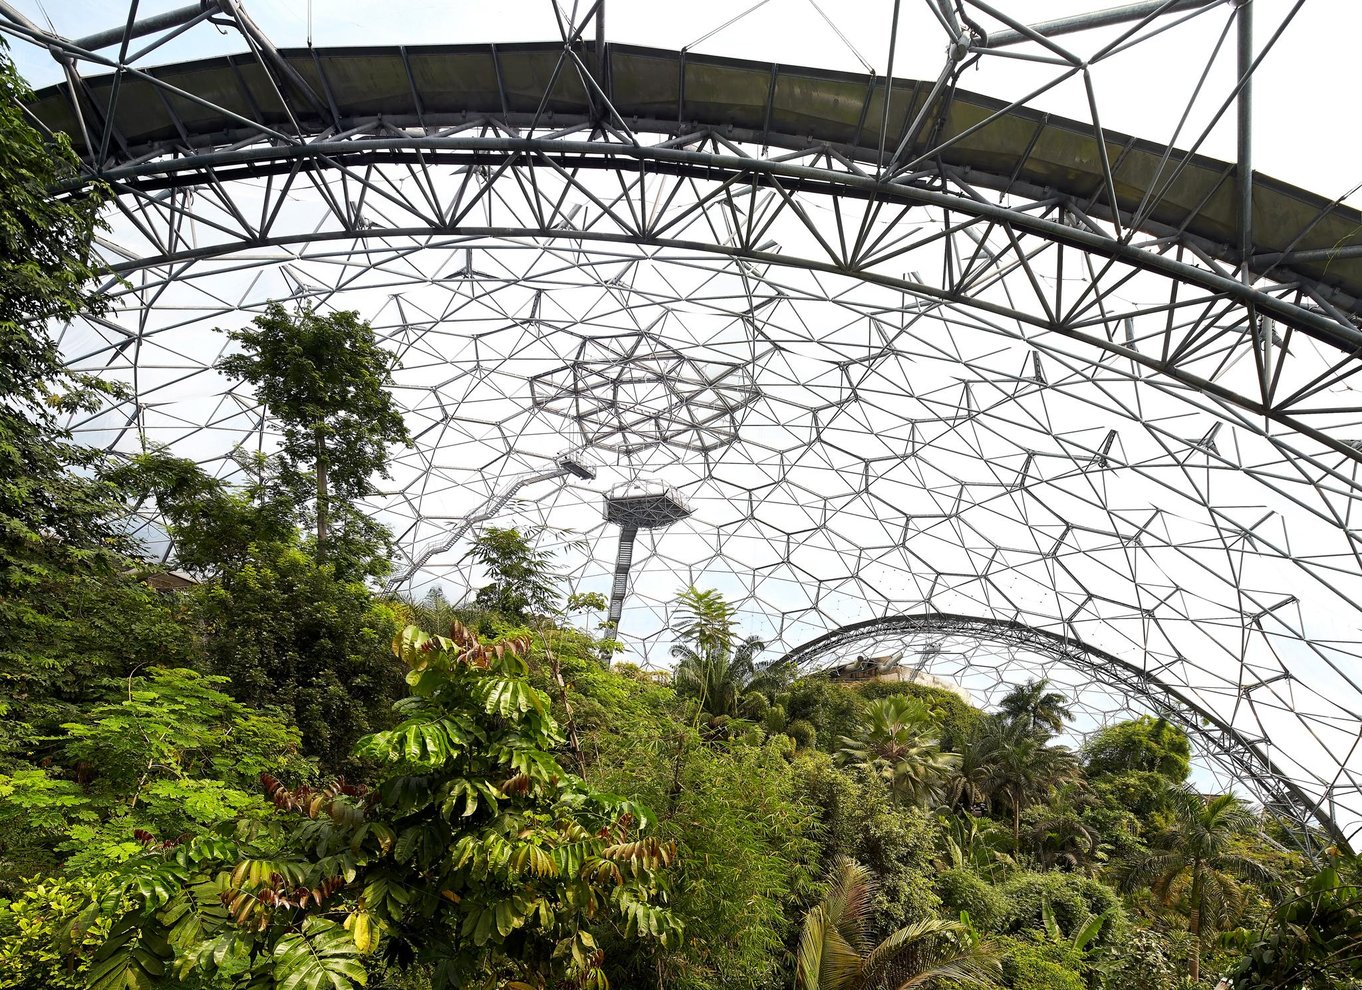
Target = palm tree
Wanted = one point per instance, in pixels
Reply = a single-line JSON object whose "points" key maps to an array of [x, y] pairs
{"points": [[835, 953], [898, 738], [1195, 862], [968, 784], [1037, 708], [1025, 768], [711, 664], [719, 677]]}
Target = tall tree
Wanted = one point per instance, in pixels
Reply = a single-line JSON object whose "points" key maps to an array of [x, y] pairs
{"points": [[1022, 767], [281, 626], [1142, 745], [70, 613], [969, 783], [718, 678], [1035, 707], [712, 665], [327, 382], [834, 952], [1197, 862]]}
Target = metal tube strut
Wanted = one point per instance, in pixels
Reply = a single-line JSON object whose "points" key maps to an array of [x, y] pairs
{"points": [[1244, 170], [147, 25], [1094, 19]]}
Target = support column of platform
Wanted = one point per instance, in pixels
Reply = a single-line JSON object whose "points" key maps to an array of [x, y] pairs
{"points": [[631, 507], [624, 560]]}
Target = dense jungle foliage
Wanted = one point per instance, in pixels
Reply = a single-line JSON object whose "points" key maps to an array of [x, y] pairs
{"points": [[279, 777]]}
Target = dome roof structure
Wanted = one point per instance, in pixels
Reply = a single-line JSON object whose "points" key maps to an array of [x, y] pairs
{"points": [[909, 370]]}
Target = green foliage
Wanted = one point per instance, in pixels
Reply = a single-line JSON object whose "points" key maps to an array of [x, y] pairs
{"points": [[745, 855], [214, 528], [48, 933], [833, 710], [326, 381], [835, 953], [1198, 865], [956, 718], [173, 755], [287, 633], [66, 631], [857, 818], [803, 733], [712, 666], [897, 739], [70, 614], [1140, 958], [1313, 940], [1072, 900], [321, 956], [964, 891], [705, 620], [977, 844], [1036, 964], [475, 853], [521, 574], [718, 680], [1035, 708], [134, 956], [1144, 744], [1007, 763]]}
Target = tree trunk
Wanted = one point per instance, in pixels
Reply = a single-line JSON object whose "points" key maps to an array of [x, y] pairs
{"points": [[323, 498], [1194, 925], [1016, 826]]}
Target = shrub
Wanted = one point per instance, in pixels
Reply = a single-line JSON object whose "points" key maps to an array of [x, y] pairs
{"points": [[964, 890], [754, 705], [775, 720], [857, 818], [832, 710], [1074, 899], [803, 733], [1036, 965]]}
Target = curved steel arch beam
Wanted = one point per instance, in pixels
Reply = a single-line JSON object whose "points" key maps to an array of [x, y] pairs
{"points": [[1001, 145], [503, 151], [563, 156], [1226, 743]]}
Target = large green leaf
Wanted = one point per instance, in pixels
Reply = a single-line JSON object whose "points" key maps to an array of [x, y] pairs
{"points": [[320, 957], [133, 957], [425, 740], [510, 696]]}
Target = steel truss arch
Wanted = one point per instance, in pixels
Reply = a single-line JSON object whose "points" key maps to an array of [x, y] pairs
{"points": [[1250, 762], [505, 157]]}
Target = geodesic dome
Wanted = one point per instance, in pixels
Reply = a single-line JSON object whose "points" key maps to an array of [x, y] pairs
{"points": [[935, 373]]}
